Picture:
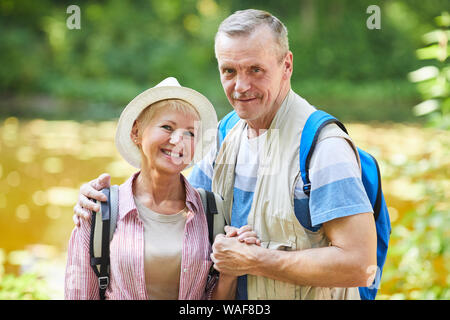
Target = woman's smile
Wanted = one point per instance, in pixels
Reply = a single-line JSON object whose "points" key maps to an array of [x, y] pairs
{"points": [[172, 153]]}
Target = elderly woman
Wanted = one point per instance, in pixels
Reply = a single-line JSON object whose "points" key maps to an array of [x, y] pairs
{"points": [[160, 248]]}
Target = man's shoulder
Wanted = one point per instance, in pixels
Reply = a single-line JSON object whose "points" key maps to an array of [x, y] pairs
{"points": [[229, 120], [228, 116], [226, 124], [334, 150]]}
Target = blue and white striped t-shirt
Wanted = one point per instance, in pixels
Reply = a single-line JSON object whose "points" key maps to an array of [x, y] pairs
{"points": [[336, 186]]}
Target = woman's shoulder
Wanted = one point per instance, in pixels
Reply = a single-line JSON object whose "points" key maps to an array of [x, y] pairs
{"points": [[192, 194]]}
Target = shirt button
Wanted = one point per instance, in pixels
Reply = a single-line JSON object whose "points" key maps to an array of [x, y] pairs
{"points": [[185, 270]]}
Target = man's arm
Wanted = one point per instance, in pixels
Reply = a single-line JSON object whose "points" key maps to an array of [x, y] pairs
{"points": [[89, 191], [345, 263]]}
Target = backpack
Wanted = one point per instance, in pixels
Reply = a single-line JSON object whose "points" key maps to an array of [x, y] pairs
{"points": [[104, 223], [370, 174], [371, 178]]}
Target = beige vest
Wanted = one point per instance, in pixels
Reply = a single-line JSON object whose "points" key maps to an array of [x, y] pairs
{"points": [[272, 212]]}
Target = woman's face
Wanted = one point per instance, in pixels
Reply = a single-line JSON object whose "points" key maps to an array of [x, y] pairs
{"points": [[167, 142]]}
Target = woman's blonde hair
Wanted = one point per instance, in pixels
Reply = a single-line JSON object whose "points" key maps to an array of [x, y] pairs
{"points": [[176, 105]]}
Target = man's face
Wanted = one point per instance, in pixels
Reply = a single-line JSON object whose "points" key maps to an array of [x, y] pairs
{"points": [[254, 79]]}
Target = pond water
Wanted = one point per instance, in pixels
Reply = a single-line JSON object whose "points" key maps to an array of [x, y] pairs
{"points": [[43, 164]]}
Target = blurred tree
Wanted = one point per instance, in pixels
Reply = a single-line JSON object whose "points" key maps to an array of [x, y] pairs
{"points": [[123, 48], [434, 80]]}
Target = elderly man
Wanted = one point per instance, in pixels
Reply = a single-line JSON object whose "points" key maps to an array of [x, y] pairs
{"points": [[317, 247]]}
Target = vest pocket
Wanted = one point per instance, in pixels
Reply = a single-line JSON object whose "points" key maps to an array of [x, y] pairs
{"points": [[285, 291], [317, 239], [269, 289], [276, 245]]}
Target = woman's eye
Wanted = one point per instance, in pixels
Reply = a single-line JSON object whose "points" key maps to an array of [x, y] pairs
{"points": [[189, 134], [167, 127]]}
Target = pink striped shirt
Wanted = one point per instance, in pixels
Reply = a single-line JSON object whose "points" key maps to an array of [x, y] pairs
{"points": [[127, 278]]}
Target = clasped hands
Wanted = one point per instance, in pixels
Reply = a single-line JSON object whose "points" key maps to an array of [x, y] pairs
{"points": [[234, 253]]}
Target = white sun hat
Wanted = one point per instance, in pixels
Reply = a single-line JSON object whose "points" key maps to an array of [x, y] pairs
{"points": [[167, 89]]}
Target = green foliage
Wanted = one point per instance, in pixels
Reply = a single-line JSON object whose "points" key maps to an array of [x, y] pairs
{"points": [[24, 287], [123, 48], [434, 80], [419, 254], [417, 186]]}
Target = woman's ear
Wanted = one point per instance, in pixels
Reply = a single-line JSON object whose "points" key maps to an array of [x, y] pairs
{"points": [[134, 134]]}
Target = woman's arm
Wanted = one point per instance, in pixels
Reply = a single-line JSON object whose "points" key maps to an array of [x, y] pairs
{"points": [[225, 288]]}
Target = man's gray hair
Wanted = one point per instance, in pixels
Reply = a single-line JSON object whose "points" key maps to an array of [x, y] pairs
{"points": [[244, 22]]}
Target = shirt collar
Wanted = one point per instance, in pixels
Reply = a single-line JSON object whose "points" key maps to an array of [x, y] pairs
{"points": [[127, 204], [126, 199], [193, 200]]}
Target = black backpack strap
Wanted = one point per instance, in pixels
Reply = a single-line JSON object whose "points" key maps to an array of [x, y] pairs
{"points": [[211, 210], [100, 261], [103, 279]]}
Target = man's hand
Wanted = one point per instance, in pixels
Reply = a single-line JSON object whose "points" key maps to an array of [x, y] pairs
{"points": [[90, 190], [233, 256]]}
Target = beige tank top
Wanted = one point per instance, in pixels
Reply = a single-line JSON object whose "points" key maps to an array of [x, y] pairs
{"points": [[163, 234]]}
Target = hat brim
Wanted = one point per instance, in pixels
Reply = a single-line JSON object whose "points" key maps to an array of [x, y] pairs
{"points": [[208, 121]]}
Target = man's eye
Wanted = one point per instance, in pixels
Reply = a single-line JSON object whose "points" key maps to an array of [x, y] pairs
{"points": [[228, 71], [256, 69], [189, 134]]}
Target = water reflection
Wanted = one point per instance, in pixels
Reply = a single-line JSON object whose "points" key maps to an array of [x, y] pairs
{"points": [[43, 164]]}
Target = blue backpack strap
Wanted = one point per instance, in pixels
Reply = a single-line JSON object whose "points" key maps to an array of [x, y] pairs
{"points": [[226, 124], [310, 134]]}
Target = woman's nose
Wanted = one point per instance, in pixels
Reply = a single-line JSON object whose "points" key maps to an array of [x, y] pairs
{"points": [[175, 137]]}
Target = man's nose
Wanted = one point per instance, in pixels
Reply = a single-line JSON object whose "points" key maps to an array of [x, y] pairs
{"points": [[242, 84]]}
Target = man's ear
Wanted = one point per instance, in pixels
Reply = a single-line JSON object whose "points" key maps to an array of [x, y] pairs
{"points": [[134, 134], [288, 63]]}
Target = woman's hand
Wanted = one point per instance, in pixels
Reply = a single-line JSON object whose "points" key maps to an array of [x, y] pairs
{"points": [[243, 234], [89, 191]]}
